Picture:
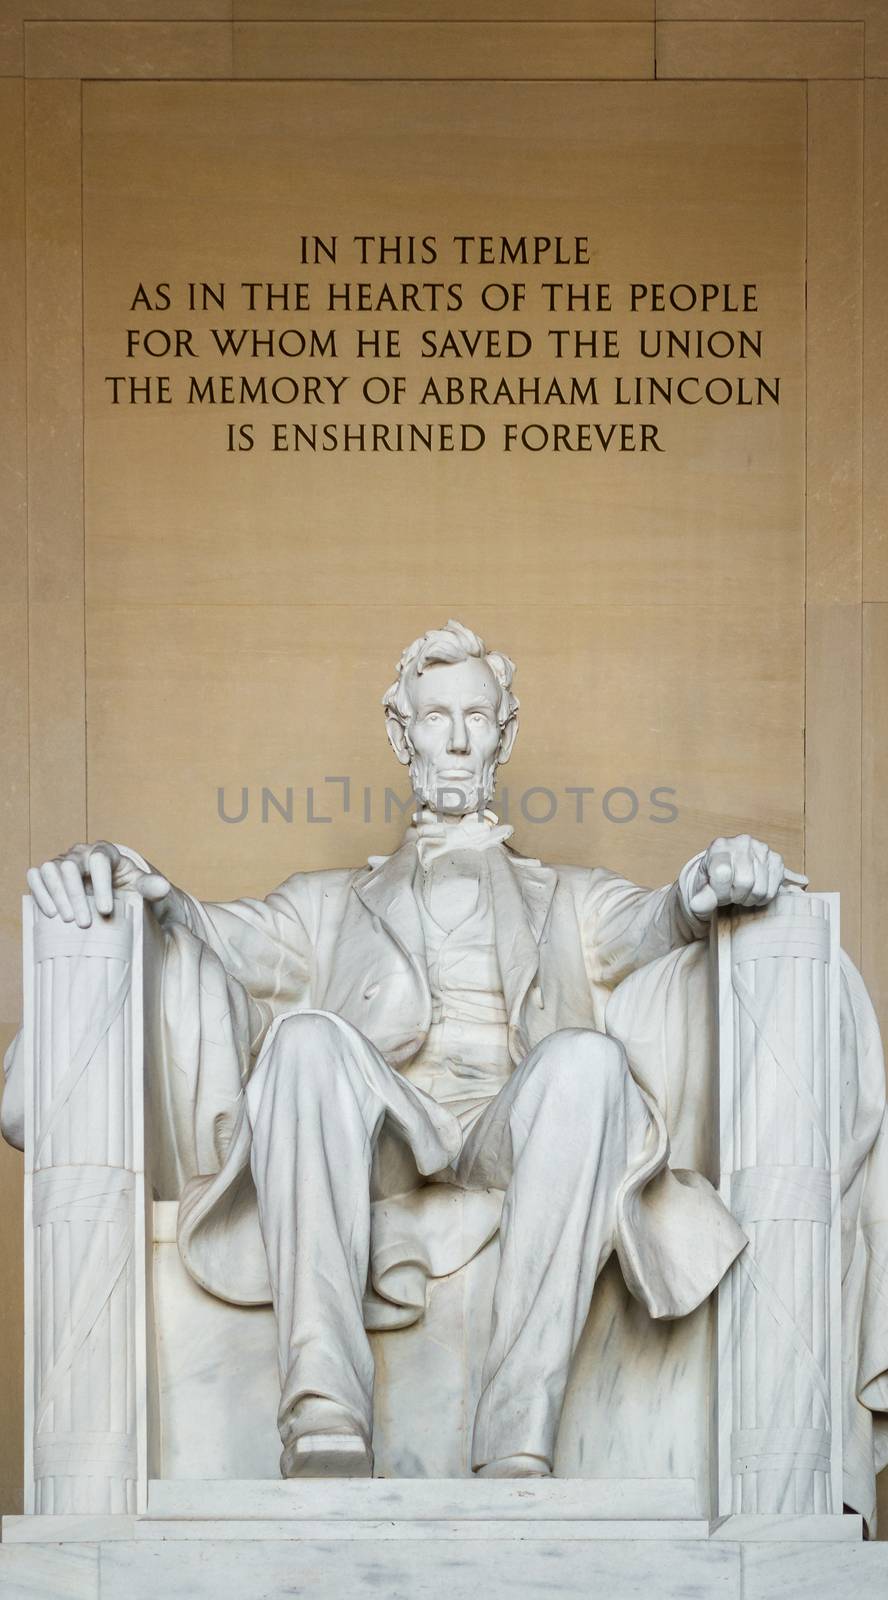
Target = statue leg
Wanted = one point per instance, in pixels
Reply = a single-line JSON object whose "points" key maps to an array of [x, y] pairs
{"points": [[316, 1104], [558, 1138]]}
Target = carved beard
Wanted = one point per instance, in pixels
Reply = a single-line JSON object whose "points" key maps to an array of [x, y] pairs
{"points": [[431, 791]]}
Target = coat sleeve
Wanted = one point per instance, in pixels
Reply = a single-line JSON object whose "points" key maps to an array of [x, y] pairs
{"points": [[624, 927], [266, 945]]}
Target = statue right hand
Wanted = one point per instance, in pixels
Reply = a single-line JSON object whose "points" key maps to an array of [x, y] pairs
{"points": [[59, 886]]}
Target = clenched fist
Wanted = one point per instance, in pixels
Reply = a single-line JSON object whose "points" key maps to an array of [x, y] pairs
{"points": [[738, 872]]}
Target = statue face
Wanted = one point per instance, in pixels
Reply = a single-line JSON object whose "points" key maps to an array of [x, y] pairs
{"points": [[454, 736]]}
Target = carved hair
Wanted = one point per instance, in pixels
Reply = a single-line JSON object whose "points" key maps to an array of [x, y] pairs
{"points": [[444, 646]]}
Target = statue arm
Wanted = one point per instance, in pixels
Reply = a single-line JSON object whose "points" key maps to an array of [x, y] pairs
{"points": [[626, 927], [267, 945]]}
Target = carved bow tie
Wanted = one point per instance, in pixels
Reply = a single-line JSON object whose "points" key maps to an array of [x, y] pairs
{"points": [[434, 839]]}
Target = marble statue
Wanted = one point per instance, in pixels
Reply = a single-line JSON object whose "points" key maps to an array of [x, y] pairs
{"points": [[377, 1069]]}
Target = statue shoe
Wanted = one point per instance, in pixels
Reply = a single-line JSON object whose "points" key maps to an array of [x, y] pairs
{"points": [[518, 1466], [321, 1441]]}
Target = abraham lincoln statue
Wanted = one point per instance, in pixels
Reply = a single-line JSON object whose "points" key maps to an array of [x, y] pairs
{"points": [[416, 1057]]}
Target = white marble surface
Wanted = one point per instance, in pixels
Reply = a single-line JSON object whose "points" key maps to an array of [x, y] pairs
{"points": [[613, 1524], [634, 1410], [217, 1378], [464, 1499], [420, 1531], [85, 1213], [637, 1404], [812, 1572], [341, 984], [605, 1511], [49, 1572], [373, 1569], [218, 1384], [786, 1528], [779, 1360], [64, 1529], [332, 1571]]}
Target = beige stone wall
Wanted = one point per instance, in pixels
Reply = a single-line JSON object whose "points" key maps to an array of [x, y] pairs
{"points": [[178, 618]]}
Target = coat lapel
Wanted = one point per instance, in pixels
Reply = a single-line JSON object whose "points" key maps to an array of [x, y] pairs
{"points": [[522, 896], [379, 979], [389, 895]]}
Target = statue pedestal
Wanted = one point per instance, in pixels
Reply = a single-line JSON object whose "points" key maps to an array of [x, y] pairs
{"points": [[454, 1539]]}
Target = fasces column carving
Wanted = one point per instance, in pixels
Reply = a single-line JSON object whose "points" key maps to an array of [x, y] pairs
{"points": [[779, 1312], [85, 1212]]}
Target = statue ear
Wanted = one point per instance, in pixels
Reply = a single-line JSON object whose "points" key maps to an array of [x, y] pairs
{"points": [[397, 735], [507, 740]]}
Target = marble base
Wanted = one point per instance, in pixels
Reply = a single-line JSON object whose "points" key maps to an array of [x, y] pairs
{"points": [[421, 1500], [449, 1539], [474, 1510], [552, 1568]]}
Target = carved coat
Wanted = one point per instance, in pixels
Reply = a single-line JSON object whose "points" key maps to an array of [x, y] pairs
{"points": [[351, 943]]}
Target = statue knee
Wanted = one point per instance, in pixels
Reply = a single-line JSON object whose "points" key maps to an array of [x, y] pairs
{"points": [[584, 1064], [305, 1046]]}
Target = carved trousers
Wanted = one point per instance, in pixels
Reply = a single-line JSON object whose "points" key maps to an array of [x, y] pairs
{"points": [[558, 1139]]}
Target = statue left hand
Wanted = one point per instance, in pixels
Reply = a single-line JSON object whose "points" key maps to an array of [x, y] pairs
{"points": [[738, 872]]}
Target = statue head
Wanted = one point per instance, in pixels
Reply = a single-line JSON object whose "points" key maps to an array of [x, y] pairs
{"points": [[452, 718]]}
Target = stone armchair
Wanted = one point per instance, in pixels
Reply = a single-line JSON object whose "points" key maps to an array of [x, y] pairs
{"points": [[147, 1397]]}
